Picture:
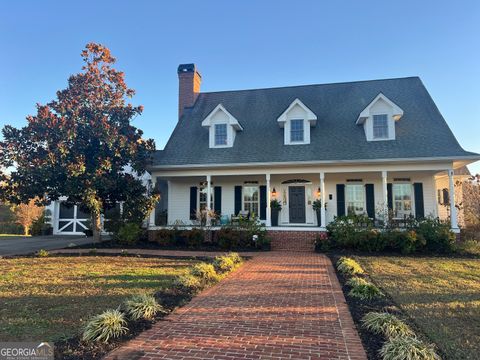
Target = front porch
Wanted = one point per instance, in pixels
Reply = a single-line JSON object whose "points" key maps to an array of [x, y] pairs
{"points": [[407, 190]]}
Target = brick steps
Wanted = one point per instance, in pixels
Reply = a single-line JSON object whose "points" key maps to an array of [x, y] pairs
{"points": [[293, 240]]}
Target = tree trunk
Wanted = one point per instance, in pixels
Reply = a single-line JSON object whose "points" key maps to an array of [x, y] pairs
{"points": [[96, 227]]}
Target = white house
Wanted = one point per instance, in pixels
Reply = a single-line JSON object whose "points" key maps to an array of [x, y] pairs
{"points": [[359, 147]]}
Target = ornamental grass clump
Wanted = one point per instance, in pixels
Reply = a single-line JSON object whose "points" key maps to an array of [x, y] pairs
{"points": [[224, 264], [364, 290], [348, 266], [43, 253], [205, 273], [143, 306], [386, 324], [407, 348], [236, 258], [108, 325], [187, 284]]}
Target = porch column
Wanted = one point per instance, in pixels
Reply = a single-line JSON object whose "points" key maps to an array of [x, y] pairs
{"points": [[209, 196], [151, 220], [323, 217], [269, 214], [385, 197], [453, 209]]}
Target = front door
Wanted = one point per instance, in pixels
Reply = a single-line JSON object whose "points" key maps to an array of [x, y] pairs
{"points": [[296, 204]]}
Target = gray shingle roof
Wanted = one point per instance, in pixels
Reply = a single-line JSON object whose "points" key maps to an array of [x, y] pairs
{"points": [[421, 132]]}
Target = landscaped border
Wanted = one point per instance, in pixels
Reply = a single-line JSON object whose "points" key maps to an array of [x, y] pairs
{"points": [[373, 343]]}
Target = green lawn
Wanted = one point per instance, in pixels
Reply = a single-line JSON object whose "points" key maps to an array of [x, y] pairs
{"points": [[441, 295], [50, 298]]}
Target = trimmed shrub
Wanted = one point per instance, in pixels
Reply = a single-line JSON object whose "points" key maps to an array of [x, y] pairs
{"points": [[407, 348], [407, 242], [108, 325], [386, 324], [348, 266], [11, 228], [188, 284], [205, 272], [364, 290], [229, 238], [143, 307], [165, 237], [128, 234], [437, 235], [369, 240], [195, 237], [224, 264], [343, 230]]}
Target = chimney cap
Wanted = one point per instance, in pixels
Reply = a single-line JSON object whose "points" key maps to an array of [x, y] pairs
{"points": [[187, 68]]}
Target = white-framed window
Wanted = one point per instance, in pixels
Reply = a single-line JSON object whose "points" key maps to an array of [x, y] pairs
{"points": [[297, 130], [355, 199], [402, 200], [380, 126], [220, 134], [251, 199], [202, 198]]}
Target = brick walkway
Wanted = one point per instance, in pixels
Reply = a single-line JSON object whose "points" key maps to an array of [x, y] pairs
{"points": [[279, 305]]}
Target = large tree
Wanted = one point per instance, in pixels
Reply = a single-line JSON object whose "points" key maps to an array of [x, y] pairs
{"points": [[81, 145]]}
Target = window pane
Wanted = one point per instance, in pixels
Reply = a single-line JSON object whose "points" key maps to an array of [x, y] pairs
{"points": [[380, 126], [402, 195], [251, 199], [355, 199], [296, 130], [220, 134], [66, 211]]}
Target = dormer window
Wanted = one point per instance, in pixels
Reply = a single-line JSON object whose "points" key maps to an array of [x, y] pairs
{"points": [[379, 118], [220, 134], [222, 127], [297, 121], [296, 130], [380, 126]]}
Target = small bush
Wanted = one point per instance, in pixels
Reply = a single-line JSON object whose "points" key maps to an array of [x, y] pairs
{"points": [[343, 230], [229, 238], [143, 307], [364, 290], [128, 234], [407, 348], [407, 242], [11, 228], [469, 247], [165, 237], [356, 281], [43, 253], [386, 324], [195, 237], [188, 284], [437, 235], [108, 325], [224, 264], [205, 272], [348, 266]]}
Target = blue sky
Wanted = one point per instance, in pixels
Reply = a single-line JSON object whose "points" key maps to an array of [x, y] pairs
{"points": [[243, 44]]}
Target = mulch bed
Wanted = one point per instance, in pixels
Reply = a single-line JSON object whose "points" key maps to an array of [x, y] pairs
{"points": [[150, 245], [75, 349]]}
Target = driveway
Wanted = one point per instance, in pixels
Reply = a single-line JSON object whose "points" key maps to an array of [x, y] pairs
{"points": [[19, 245], [279, 305]]}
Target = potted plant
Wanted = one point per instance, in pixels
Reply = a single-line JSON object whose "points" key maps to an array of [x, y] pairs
{"points": [[275, 207], [317, 207]]}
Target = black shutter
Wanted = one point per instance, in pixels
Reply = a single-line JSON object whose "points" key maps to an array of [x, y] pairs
{"points": [[419, 208], [238, 199], [340, 199], [390, 196], [263, 203], [217, 197], [446, 197], [370, 197], [193, 203]]}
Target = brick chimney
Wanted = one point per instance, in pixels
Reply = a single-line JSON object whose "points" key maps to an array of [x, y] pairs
{"points": [[189, 80]]}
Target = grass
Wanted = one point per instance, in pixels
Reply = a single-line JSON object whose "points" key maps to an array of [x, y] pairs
{"points": [[441, 295], [51, 298]]}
